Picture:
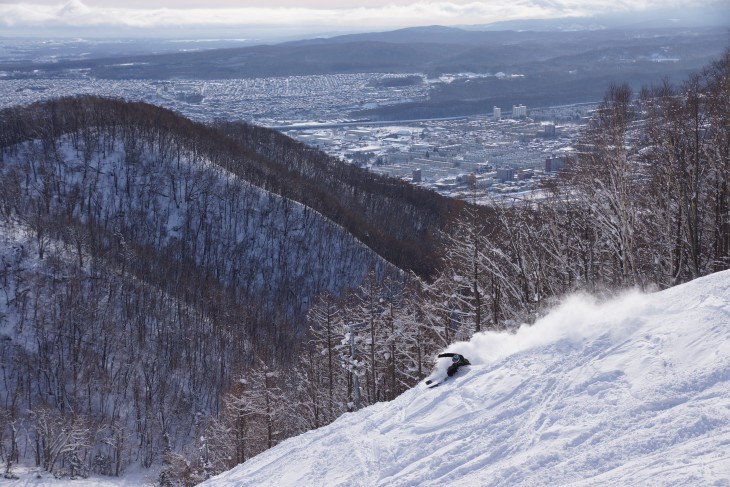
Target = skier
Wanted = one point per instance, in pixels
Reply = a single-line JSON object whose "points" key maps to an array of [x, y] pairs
{"points": [[456, 362], [441, 372]]}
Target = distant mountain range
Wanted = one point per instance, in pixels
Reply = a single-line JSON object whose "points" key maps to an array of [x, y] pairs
{"points": [[431, 50], [703, 16], [558, 61]]}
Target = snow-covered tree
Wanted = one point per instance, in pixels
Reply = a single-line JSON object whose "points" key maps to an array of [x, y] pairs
{"points": [[322, 367], [60, 438], [468, 276], [606, 180]]}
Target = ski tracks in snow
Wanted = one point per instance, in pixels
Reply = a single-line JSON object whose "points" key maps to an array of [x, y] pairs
{"points": [[636, 392]]}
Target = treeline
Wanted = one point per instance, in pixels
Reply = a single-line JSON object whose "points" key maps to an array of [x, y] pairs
{"points": [[644, 202]]}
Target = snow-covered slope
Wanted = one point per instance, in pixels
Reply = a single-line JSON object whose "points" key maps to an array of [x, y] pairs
{"points": [[635, 391]]}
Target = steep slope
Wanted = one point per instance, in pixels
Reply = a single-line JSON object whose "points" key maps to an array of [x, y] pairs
{"points": [[633, 391], [140, 271], [143, 194]]}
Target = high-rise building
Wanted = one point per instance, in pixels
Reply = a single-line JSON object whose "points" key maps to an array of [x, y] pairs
{"points": [[497, 114], [519, 111], [555, 164], [505, 174]]}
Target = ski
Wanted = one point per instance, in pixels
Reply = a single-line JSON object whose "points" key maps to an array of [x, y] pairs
{"points": [[431, 384]]}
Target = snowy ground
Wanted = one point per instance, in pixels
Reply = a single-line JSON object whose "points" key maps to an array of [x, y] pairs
{"points": [[35, 477], [635, 391]]}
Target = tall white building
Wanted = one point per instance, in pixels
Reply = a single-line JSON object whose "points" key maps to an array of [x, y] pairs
{"points": [[519, 111], [497, 115]]}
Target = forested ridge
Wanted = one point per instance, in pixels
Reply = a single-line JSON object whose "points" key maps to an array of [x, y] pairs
{"points": [[147, 260], [400, 221], [391, 216], [155, 281]]}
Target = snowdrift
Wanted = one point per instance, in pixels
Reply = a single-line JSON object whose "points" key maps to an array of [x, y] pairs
{"points": [[634, 391]]}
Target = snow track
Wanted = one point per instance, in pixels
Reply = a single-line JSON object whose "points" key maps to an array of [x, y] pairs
{"points": [[635, 391]]}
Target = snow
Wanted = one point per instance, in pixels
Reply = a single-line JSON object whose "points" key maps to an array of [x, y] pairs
{"points": [[35, 477], [633, 391]]}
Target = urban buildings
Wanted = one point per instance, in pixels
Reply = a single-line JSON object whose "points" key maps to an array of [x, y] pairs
{"points": [[519, 111]]}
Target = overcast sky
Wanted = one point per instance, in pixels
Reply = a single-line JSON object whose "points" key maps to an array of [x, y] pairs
{"points": [[116, 17]]}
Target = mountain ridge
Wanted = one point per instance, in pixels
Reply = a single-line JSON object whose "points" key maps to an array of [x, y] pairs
{"points": [[147, 261]]}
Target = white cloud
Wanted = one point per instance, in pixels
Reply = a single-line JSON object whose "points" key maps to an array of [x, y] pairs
{"points": [[74, 8], [75, 13]]}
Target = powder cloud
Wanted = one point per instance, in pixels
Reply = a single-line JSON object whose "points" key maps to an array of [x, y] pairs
{"points": [[577, 318]]}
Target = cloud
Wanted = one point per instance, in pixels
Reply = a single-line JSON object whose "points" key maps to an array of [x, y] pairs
{"points": [[76, 13], [74, 8]]}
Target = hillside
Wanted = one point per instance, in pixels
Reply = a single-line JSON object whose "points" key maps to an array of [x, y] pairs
{"points": [[147, 261], [632, 391], [396, 219]]}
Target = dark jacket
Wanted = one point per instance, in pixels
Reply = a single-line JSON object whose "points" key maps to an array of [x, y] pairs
{"points": [[457, 361]]}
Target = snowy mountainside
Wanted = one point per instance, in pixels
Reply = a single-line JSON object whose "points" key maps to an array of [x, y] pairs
{"points": [[633, 391], [139, 274], [189, 209]]}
